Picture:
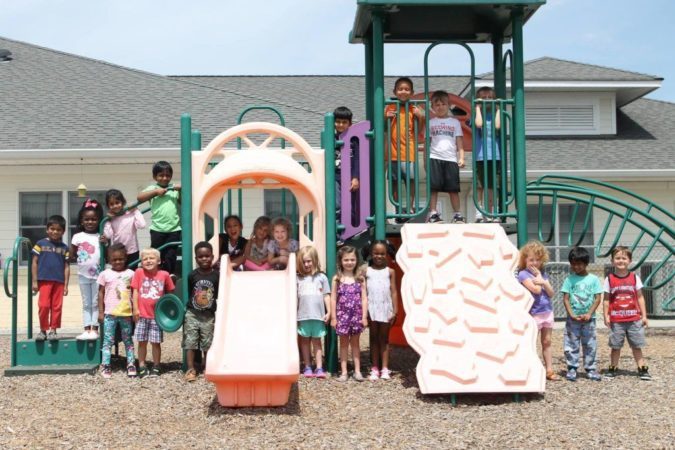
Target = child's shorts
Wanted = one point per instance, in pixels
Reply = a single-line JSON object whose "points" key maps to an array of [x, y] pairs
{"points": [[311, 328], [198, 330], [406, 168], [486, 166], [544, 320], [634, 331], [148, 330], [444, 175]]}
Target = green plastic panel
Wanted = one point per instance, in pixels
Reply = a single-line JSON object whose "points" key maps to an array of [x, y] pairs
{"points": [[60, 352]]}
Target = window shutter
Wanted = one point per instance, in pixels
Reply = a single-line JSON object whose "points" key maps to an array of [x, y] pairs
{"points": [[559, 119]]}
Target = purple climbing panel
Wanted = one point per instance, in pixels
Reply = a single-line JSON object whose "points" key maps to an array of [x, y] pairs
{"points": [[355, 206]]}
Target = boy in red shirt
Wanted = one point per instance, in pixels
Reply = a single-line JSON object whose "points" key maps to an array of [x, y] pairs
{"points": [[625, 312]]}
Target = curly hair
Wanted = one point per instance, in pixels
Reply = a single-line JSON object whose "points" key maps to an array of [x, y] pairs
{"points": [[534, 248]]}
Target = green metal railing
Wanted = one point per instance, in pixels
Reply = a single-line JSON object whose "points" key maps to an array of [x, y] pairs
{"points": [[12, 265]]}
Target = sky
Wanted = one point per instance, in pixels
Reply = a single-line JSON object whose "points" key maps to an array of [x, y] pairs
{"points": [[310, 37]]}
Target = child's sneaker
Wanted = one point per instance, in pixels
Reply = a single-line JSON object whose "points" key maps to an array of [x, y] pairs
{"points": [[358, 376], [82, 337], [611, 372], [458, 218], [142, 372], [93, 335], [593, 375], [52, 336], [131, 371], [374, 374], [154, 372], [479, 217], [643, 373], [319, 373], [106, 371], [307, 373], [571, 374], [434, 217], [385, 374], [41, 336], [191, 375]]}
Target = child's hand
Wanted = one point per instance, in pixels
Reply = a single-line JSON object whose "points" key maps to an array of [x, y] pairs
{"points": [[161, 191], [100, 316], [326, 318], [584, 317], [354, 186], [390, 113], [137, 316], [645, 322], [534, 271], [176, 187], [35, 286], [103, 240], [65, 290], [460, 162], [606, 317], [333, 323], [364, 321], [392, 317]]}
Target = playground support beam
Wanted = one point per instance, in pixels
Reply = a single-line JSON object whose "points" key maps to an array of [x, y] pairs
{"points": [[377, 40], [186, 200], [500, 76], [328, 142], [518, 92]]}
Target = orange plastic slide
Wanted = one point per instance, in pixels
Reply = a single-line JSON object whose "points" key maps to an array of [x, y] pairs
{"points": [[254, 359]]}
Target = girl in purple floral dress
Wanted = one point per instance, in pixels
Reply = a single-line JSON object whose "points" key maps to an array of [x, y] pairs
{"points": [[349, 309]]}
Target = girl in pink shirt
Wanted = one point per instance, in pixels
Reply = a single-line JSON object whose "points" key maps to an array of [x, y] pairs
{"points": [[122, 225]]}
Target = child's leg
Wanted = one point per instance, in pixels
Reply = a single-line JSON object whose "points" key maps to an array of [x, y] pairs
{"points": [[616, 338], [190, 357], [305, 351], [142, 353], [126, 331], [318, 352], [44, 304], [433, 201], [639, 358], [56, 305], [383, 342], [375, 350], [156, 354], [589, 345], [614, 357], [454, 201], [545, 336], [571, 344], [109, 323], [344, 353], [88, 301], [356, 352]]}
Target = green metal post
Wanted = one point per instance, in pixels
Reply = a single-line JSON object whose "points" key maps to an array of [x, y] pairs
{"points": [[379, 185], [500, 76], [186, 199], [15, 304], [518, 92], [328, 140], [369, 79]]}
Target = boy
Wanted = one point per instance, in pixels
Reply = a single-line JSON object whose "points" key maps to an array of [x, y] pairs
{"points": [[582, 293], [483, 167], [50, 272], [343, 120], [164, 200], [149, 284], [625, 312], [402, 138], [200, 316], [447, 156]]}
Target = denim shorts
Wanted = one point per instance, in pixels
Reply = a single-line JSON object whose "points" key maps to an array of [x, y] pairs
{"points": [[634, 331]]}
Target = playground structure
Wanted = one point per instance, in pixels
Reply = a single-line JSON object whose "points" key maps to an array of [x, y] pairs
{"points": [[256, 373]]}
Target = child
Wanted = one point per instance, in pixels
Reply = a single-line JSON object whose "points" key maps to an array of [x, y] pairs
{"points": [[533, 256], [200, 316], [232, 242], [164, 198], [343, 120], [625, 312], [447, 156], [122, 225], [255, 253], [50, 272], [382, 308], [279, 248], [149, 284], [482, 157], [348, 309], [114, 307], [402, 137], [313, 309], [86, 249], [581, 295]]}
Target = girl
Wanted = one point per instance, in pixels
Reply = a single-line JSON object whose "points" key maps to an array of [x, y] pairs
{"points": [[232, 242], [281, 246], [313, 309], [256, 249], [115, 307], [533, 256], [86, 249], [122, 225], [382, 308], [348, 309]]}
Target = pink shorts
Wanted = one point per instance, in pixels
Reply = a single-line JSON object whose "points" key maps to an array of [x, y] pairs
{"points": [[544, 320]]}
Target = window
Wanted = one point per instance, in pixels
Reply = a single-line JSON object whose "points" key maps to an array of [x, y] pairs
{"points": [[557, 246], [34, 209]]}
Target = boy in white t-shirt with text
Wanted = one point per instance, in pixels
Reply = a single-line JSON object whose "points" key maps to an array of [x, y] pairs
{"points": [[447, 156]]}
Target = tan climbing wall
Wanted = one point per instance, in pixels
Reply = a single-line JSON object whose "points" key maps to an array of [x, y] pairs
{"points": [[466, 313]]}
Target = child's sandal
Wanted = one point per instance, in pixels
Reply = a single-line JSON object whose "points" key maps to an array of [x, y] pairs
{"points": [[551, 376]]}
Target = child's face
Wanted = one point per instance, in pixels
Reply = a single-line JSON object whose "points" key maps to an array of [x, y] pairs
{"points": [[621, 261], [533, 261], [403, 91], [163, 178], [307, 264], [379, 255], [578, 267], [280, 233], [118, 260], [341, 125], [348, 262], [233, 229], [55, 232], [204, 258], [115, 205], [90, 221], [150, 262], [486, 94], [441, 107], [262, 232]]}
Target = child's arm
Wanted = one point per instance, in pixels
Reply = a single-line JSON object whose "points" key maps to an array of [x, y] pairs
{"points": [[134, 305], [238, 261], [101, 307], [531, 286], [605, 308], [66, 277], [34, 273], [546, 286], [460, 151], [598, 298], [139, 220], [394, 294], [643, 308], [498, 119], [364, 304], [147, 195], [568, 307], [72, 254], [333, 303], [326, 301], [479, 115]]}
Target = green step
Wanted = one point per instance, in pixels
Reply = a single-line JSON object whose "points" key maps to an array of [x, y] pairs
{"points": [[61, 352], [53, 369]]}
